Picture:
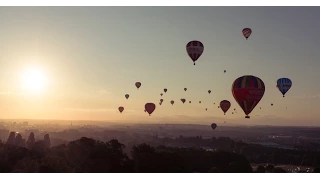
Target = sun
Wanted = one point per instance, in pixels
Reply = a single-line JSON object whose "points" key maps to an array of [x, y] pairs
{"points": [[34, 80]]}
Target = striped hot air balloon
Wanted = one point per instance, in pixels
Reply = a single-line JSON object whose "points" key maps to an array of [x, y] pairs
{"points": [[248, 91], [246, 32], [194, 50], [284, 84]]}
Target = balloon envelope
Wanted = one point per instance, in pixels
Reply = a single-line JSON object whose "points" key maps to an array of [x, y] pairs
{"points": [[172, 102], [185, 89], [284, 84], [150, 107], [183, 100], [225, 105], [127, 96], [248, 91], [194, 50], [138, 84], [165, 90], [120, 109], [213, 126], [246, 32]]}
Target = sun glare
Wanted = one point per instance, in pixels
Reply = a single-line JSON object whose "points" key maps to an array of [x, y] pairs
{"points": [[34, 80]]}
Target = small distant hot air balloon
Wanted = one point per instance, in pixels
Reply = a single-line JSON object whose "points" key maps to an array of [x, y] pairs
{"points": [[120, 109], [209, 91], [161, 100], [194, 50], [161, 94], [185, 89], [127, 96], [284, 84], [160, 103], [138, 84], [246, 32], [225, 122], [165, 90], [199, 102], [271, 104], [225, 105], [172, 102], [248, 91], [206, 109], [214, 103], [260, 107], [189, 101], [224, 71], [232, 112], [218, 106], [213, 126], [150, 107], [183, 100]]}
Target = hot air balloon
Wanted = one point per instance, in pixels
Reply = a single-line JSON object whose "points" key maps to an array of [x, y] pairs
{"points": [[127, 96], [248, 91], [271, 104], [161, 100], [161, 94], [234, 109], [189, 101], [246, 32], [194, 50], [185, 89], [284, 84], [232, 112], [213, 126], [165, 90], [138, 84], [218, 106], [172, 102], [206, 109], [209, 91], [183, 100], [224, 71], [160, 103], [260, 107], [225, 105], [214, 103], [120, 109], [199, 102], [150, 107]]}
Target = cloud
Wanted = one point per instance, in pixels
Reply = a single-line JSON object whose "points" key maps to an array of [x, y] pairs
{"points": [[307, 96]]}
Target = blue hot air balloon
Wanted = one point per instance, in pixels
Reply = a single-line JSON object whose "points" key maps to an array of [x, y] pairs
{"points": [[284, 84]]}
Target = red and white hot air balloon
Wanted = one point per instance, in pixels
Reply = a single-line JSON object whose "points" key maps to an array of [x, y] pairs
{"points": [[246, 32], [150, 107], [194, 50]]}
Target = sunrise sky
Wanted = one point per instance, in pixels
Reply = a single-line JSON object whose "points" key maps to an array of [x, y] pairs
{"points": [[79, 62]]}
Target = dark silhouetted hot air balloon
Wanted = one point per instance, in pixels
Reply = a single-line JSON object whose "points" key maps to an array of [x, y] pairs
{"points": [[127, 96], [185, 89], [271, 104], [189, 101], [138, 84], [161, 100], [161, 94], [213, 126], [224, 71], [218, 106], [194, 50], [183, 100], [209, 91], [248, 91], [199, 102], [284, 84], [225, 105], [232, 112], [172, 102], [246, 32], [165, 90], [214, 103], [120, 109], [206, 109], [150, 107]]}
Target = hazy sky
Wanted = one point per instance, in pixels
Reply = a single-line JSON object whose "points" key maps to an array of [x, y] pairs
{"points": [[92, 56]]}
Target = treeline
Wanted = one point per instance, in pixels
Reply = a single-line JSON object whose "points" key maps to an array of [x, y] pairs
{"points": [[254, 153]]}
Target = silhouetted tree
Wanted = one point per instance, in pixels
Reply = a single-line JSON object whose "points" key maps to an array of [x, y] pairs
{"points": [[46, 141], [31, 141], [11, 138]]}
